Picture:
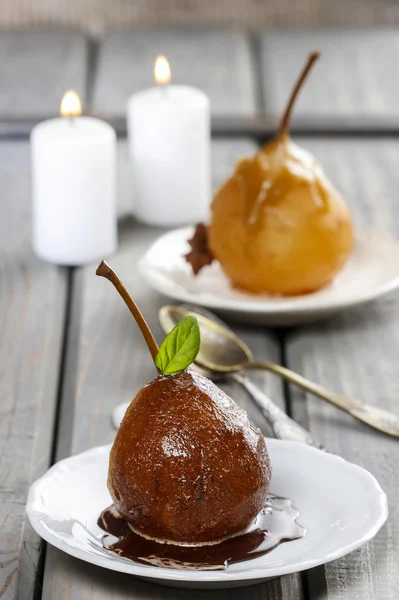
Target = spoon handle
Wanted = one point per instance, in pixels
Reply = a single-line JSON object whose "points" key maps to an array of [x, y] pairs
{"points": [[373, 416], [283, 426]]}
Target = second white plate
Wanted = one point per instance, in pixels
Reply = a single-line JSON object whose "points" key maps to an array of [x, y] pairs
{"points": [[373, 270]]}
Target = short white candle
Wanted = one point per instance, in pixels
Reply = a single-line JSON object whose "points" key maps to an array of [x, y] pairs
{"points": [[169, 141], [74, 190]]}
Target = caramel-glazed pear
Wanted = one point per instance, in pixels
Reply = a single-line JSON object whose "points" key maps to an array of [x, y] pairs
{"points": [[187, 466], [278, 225]]}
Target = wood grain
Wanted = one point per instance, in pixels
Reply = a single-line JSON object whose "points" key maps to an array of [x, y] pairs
{"points": [[354, 76], [36, 69], [107, 364], [32, 306], [96, 17], [217, 61], [355, 353]]}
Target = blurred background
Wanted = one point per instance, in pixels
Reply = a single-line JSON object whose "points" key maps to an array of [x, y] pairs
{"points": [[94, 16], [244, 54]]}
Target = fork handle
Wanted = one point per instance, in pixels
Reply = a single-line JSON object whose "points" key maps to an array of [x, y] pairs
{"points": [[283, 426]]}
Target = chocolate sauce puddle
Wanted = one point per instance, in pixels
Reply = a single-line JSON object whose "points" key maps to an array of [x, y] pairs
{"points": [[275, 524]]}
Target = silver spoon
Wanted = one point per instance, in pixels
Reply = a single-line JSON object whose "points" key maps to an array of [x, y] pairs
{"points": [[224, 352], [283, 426]]}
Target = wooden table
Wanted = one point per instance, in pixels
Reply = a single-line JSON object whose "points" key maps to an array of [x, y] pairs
{"points": [[69, 351]]}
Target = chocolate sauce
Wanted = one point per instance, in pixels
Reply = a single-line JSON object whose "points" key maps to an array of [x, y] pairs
{"points": [[275, 524]]}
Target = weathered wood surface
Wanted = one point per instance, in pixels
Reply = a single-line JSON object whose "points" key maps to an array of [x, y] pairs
{"points": [[36, 69], [107, 364], [32, 307], [106, 360], [95, 17], [356, 353], [217, 61], [354, 77]]}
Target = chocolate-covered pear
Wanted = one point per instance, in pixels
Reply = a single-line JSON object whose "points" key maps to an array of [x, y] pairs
{"points": [[277, 225], [187, 466]]}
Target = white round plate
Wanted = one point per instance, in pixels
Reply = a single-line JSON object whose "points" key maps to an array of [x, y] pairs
{"points": [[373, 270], [340, 504]]}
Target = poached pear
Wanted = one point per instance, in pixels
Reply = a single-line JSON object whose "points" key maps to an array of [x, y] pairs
{"points": [[187, 466], [278, 225]]}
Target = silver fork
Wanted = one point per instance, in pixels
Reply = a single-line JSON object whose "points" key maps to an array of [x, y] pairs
{"points": [[284, 428]]}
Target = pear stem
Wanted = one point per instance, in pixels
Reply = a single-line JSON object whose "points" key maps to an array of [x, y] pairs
{"points": [[285, 121], [104, 270]]}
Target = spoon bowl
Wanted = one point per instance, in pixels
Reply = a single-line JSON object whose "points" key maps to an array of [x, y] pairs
{"points": [[219, 345]]}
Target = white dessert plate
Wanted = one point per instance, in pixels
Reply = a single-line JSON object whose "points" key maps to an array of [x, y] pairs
{"points": [[373, 270], [340, 504]]}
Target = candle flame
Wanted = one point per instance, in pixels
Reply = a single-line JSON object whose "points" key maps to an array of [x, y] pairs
{"points": [[162, 73], [70, 105]]}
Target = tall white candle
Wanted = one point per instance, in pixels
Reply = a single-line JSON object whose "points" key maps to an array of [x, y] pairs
{"points": [[74, 190], [169, 141]]}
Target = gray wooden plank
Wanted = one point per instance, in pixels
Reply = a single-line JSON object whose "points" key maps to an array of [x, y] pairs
{"points": [[95, 16], [356, 353], [32, 306], [359, 63], [217, 61], [107, 364], [36, 69], [80, 581]]}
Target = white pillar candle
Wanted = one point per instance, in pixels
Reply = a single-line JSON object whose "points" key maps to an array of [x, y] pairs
{"points": [[74, 195], [169, 141]]}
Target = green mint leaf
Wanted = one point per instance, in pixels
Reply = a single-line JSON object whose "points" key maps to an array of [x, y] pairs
{"points": [[179, 348]]}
